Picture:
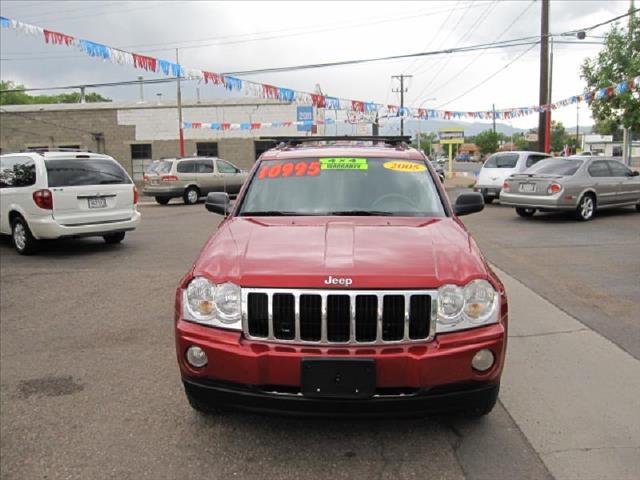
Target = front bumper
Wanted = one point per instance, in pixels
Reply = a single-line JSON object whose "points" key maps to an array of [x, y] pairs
{"points": [[449, 398], [245, 373], [550, 202], [46, 227]]}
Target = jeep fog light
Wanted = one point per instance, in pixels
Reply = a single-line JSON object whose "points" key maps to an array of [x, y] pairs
{"points": [[483, 360], [196, 357]]}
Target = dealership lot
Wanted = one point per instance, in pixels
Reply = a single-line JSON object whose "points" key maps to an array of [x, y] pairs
{"points": [[90, 386]]}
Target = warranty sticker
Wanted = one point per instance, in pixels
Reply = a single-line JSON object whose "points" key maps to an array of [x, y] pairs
{"points": [[344, 163], [401, 166]]}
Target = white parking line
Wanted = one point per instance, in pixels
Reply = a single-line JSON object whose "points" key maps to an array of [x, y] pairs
{"points": [[573, 393]]}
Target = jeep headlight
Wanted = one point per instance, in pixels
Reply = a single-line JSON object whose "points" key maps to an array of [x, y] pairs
{"points": [[461, 308], [210, 304]]}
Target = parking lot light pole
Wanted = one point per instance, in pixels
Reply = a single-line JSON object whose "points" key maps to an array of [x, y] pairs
{"points": [[179, 102]]}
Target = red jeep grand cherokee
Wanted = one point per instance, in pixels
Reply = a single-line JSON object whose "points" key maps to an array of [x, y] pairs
{"points": [[342, 283]]}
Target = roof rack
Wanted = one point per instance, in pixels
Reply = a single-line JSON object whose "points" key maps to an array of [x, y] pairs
{"points": [[55, 149], [386, 139]]}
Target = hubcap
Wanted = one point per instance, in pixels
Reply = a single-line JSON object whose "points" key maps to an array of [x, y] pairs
{"points": [[192, 196], [587, 207], [19, 236]]}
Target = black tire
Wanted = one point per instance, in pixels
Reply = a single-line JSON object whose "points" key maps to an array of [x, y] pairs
{"points": [[189, 197], [485, 408], [200, 406], [114, 238], [525, 212], [586, 207], [162, 200], [23, 239], [488, 200], [638, 207]]}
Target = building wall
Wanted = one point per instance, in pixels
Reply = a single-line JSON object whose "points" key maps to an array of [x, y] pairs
{"points": [[146, 124]]}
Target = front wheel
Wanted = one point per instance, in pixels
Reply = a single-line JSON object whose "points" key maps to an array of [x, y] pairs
{"points": [[201, 406], [586, 207], [488, 200], [191, 196], [162, 200], [114, 238], [23, 240], [638, 207], [525, 212], [484, 408]]}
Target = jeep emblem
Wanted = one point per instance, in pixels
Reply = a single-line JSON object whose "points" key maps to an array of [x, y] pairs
{"points": [[338, 281]]}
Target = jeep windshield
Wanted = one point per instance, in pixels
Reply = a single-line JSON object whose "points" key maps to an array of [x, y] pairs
{"points": [[342, 186]]}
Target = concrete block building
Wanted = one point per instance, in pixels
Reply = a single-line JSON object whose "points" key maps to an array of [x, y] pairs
{"points": [[137, 133]]}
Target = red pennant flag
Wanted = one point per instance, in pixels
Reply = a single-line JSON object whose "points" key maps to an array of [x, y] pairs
{"points": [[57, 38], [318, 100], [144, 62]]}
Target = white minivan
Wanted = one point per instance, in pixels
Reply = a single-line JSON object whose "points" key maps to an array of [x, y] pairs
{"points": [[58, 194], [499, 166]]}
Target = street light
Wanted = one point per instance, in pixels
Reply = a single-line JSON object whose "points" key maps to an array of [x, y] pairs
{"points": [[420, 124]]}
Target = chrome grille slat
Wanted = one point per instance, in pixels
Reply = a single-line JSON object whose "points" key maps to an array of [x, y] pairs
{"points": [[399, 318]]}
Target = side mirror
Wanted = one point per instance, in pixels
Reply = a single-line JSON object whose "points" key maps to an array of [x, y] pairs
{"points": [[218, 202], [467, 203]]}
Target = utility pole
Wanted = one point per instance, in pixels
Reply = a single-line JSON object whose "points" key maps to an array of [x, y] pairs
{"points": [[493, 107], [626, 142], [547, 133], [82, 95], [179, 100], [375, 128], [402, 90], [544, 74], [577, 125], [141, 98]]}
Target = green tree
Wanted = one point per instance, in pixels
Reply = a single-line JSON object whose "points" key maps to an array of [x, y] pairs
{"points": [[426, 140], [617, 62], [487, 141], [559, 137], [22, 98]]}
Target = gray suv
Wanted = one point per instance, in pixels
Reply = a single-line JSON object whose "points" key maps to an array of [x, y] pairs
{"points": [[191, 178]]}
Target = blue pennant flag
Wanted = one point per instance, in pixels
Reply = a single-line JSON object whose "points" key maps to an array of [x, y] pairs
{"points": [[231, 83], [215, 126], [332, 103], [245, 126], [621, 87], [94, 49], [286, 94], [5, 22]]}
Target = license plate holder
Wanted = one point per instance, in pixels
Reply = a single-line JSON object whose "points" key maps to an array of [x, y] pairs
{"points": [[527, 187], [338, 378], [97, 202]]}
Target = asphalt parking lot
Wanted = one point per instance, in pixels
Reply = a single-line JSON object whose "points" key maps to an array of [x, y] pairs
{"points": [[90, 388]]}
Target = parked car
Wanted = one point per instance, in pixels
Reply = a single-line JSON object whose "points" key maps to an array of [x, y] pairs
{"points": [[439, 168], [191, 178], [332, 255], [499, 166], [579, 185], [60, 194], [463, 157], [584, 154]]}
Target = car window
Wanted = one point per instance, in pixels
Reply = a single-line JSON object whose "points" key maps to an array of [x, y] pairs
{"points": [[159, 167], [556, 166], [508, 160], [224, 167], [599, 169], [204, 166], [343, 186], [618, 169], [188, 166], [533, 159], [85, 171], [17, 172]]}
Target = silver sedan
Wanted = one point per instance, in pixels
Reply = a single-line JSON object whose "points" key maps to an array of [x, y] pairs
{"points": [[578, 184]]}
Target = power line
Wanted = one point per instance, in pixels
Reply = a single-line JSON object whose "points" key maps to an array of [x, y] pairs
{"points": [[482, 82]]}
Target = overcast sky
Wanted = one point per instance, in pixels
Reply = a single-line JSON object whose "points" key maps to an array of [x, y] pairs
{"points": [[233, 36]]}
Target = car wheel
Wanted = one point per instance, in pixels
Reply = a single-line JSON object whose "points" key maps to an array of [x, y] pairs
{"points": [[113, 238], [586, 207], [484, 408], [488, 200], [525, 212], [638, 207], [23, 240], [162, 200], [200, 406], [191, 196]]}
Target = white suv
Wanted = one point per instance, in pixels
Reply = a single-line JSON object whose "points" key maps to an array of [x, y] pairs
{"points": [[49, 195]]}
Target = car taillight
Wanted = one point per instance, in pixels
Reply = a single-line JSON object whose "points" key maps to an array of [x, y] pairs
{"points": [[506, 186], [43, 199], [135, 195], [169, 178], [554, 188], [145, 178]]}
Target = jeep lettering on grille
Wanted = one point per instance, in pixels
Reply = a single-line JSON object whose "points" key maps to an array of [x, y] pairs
{"points": [[338, 281]]}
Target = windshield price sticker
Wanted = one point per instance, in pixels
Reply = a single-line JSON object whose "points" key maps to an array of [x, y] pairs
{"points": [[289, 169], [344, 163], [401, 166]]}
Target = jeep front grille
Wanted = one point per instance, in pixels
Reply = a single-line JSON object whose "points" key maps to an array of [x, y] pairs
{"points": [[338, 316]]}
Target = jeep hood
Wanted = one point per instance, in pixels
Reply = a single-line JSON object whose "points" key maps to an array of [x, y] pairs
{"points": [[374, 252]]}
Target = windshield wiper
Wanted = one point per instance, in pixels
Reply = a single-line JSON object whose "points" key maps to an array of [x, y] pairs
{"points": [[362, 213], [270, 213]]}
